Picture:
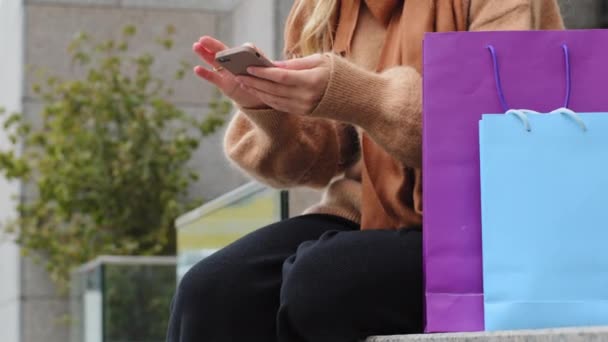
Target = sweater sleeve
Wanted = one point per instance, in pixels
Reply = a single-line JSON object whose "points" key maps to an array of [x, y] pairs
{"points": [[285, 150], [388, 105]]}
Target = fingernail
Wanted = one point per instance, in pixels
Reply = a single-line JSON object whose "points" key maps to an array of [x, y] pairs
{"points": [[251, 70]]}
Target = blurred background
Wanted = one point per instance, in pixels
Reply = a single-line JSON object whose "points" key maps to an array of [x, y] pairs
{"points": [[113, 180]]}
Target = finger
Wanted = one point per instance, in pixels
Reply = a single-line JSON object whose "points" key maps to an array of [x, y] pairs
{"points": [[211, 44], [225, 85], [266, 86], [207, 56], [211, 76], [303, 63], [207, 47], [278, 75], [247, 89]]}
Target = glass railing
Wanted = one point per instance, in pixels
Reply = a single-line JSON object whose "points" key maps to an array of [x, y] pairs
{"points": [[122, 299], [218, 223], [127, 299]]}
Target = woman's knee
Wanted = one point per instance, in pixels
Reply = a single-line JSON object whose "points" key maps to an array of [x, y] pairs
{"points": [[339, 281], [313, 301], [195, 286], [211, 284], [193, 304]]}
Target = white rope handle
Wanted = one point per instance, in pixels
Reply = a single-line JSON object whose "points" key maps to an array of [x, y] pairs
{"points": [[522, 114], [572, 115]]}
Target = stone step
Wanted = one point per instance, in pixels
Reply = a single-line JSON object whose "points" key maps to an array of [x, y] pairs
{"points": [[593, 334]]}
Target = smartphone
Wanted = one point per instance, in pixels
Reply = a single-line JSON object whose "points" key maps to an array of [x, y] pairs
{"points": [[238, 59]]}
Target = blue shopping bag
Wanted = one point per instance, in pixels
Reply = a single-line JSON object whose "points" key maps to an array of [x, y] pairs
{"points": [[544, 195], [544, 191]]}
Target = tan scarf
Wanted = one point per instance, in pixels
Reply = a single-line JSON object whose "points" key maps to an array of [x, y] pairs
{"points": [[392, 193]]}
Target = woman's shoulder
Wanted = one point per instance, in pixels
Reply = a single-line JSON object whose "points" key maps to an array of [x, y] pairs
{"points": [[538, 14]]}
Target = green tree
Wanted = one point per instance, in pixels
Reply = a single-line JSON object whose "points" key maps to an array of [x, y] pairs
{"points": [[108, 163]]}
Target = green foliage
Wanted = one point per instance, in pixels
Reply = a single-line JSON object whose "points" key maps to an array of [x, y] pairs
{"points": [[108, 162], [136, 302]]}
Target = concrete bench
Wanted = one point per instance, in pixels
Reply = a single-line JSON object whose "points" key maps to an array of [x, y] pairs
{"points": [[599, 334]]}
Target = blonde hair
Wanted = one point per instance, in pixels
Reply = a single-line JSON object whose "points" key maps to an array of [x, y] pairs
{"points": [[318, 31]]}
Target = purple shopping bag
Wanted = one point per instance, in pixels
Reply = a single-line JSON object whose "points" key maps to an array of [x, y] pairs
{"points": [[459, 86]]}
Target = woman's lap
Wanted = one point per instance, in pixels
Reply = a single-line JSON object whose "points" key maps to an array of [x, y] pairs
{"points": [[310, 278]]}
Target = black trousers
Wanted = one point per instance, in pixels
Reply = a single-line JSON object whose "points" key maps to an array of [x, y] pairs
{"points": [[312, 278]]}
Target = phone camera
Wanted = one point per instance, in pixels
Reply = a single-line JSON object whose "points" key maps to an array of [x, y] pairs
{"points": [[223, 59], [257, 54]]}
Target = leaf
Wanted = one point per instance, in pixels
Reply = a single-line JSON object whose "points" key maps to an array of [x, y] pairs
{"points": [[12, 120], [81, 58], [185, 64], [165, 42], [129, 30], [81, 36], [179, 75], [170, 29]]}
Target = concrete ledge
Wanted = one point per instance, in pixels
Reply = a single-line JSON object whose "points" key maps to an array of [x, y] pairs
{"points": [[595, 334]]}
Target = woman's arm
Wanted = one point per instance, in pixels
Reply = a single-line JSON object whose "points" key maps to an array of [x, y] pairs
{"points": [[280, 149], [387, 105], [286, 150]]}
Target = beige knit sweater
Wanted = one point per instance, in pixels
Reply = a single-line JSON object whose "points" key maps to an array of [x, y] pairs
{"points": [[322, 150]]}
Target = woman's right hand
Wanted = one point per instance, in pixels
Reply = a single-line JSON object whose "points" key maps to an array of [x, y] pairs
{"points": [[206, 48]]}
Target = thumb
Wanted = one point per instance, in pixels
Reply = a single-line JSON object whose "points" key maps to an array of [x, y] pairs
{"points": [[303, 63]]}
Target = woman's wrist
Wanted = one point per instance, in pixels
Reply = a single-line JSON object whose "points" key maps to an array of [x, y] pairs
{"points": [[345, 93]]}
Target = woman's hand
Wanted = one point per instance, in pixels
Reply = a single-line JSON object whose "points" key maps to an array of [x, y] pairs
{"points": [[206, 48], [295, 86]]}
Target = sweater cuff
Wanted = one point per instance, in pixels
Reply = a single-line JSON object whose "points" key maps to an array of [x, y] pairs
{"points": [[352, 93]]}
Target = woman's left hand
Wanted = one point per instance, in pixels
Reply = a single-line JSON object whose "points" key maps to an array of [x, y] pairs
{"points": [[294, 86]]}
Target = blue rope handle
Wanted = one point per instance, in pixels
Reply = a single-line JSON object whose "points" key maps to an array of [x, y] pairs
{"points": [[500, 91]]}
